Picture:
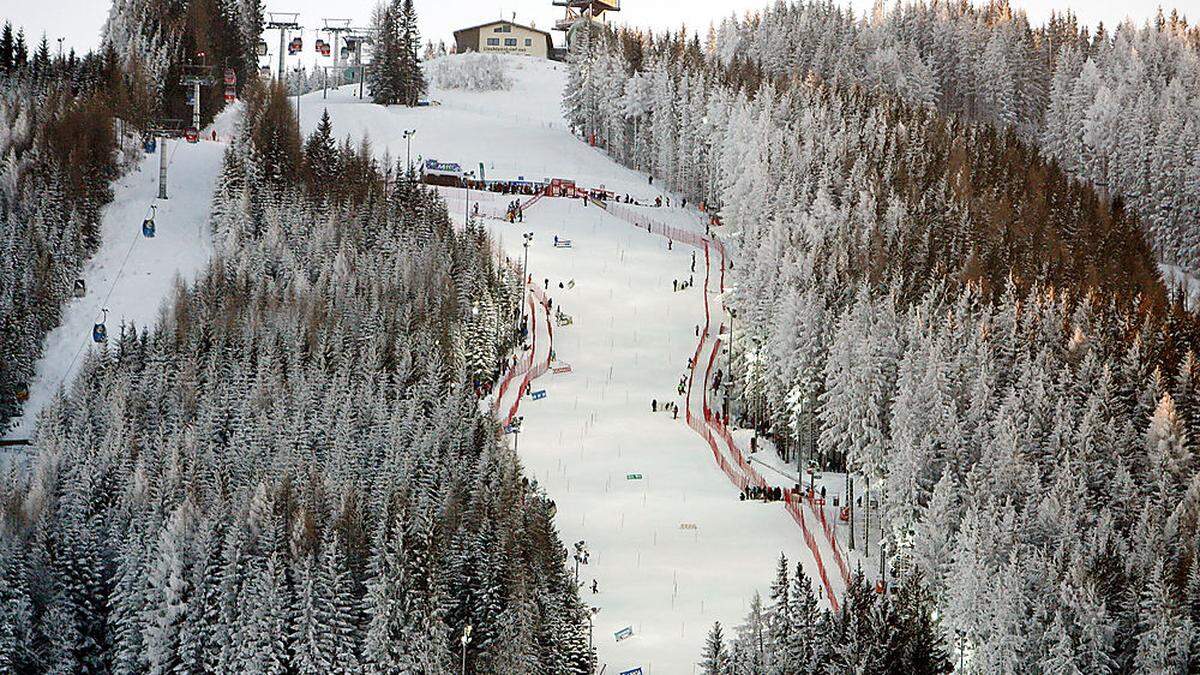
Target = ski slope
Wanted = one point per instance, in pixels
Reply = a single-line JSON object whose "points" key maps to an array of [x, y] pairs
{"points": [[131, 275], [671, 546]]}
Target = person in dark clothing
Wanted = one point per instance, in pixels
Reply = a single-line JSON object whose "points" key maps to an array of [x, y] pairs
{"points": [[675, 285], [693, 261], [652, 180], [595, 587], [654, 405]]}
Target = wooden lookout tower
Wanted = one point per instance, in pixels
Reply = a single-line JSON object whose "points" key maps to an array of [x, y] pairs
{"points": [[579, 11]]}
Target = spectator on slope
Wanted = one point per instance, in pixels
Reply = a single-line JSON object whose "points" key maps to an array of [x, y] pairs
{"points": [[653, 405]]}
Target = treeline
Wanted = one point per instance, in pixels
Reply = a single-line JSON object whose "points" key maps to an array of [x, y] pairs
{"points": [[291, 471], [790, 634], [396, 76], [983, 342], [1118, 106], [67, 127], [169, 38]]}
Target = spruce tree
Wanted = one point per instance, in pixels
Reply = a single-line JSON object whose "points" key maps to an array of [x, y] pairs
{"points": [[716, 658]]}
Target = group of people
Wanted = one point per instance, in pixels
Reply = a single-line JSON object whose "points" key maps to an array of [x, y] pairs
{"points": [[683, 285], [515, 213], [769, 494], [668, 406]]}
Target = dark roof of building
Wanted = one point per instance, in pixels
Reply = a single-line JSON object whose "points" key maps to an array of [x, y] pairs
{"points": [[504, 21]]}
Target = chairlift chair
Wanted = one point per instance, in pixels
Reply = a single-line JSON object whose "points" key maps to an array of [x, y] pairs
{"points": [[100, 330], [148, 224]]}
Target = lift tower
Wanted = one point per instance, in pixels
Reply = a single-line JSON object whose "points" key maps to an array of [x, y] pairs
{"points": [[283, 22], [196, 76], [336, 27]]}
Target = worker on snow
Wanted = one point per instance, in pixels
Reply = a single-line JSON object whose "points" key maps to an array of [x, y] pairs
{"points": [[653, 405]]}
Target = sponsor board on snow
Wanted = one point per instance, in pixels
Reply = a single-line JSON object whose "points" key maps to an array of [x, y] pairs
{"points": [[564, 368], [624, 633], [538, 395], [688, 526], [635, 671], [633, 476]]}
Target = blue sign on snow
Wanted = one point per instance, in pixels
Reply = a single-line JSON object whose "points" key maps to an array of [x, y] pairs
{"points": [[625, 632], [539, 395], [635, 671]]}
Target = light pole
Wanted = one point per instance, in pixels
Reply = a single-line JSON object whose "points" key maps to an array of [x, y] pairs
{"points": [[581, 553], [525, 270], [466, 639], [60, 44], [467, 209], [515, 425], [408, 134]]}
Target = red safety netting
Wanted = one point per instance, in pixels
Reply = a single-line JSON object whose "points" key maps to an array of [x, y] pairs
{"points": [[532, 368]]}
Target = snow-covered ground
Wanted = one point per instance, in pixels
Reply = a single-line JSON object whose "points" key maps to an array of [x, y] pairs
{"points": [[1175, 276], [671, 546], [132, 275]]}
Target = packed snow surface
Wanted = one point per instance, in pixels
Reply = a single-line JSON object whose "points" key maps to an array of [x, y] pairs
{"points": [[671, 547], [132, 275]]}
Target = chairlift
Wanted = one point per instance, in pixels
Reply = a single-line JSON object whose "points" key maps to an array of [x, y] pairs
{"points": [[150, 145], [100, 330], [319, 45], [265, 71], [80, 288], [295, 46], [230, 94], [230, 76], [345, 53], [262, 48], [148, 224]]}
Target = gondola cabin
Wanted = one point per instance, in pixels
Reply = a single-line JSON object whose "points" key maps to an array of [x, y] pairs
{"points": [[192, 135], [262, 48], [230, 76], [295, 46], [80, 288], [99, 333], [230, 94]]}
